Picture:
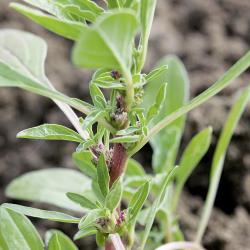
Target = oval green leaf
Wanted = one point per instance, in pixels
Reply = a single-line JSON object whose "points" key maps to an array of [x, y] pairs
{"points": [[17, 232], [42, 214], [50, 186], [60, 241], [50, 132]]}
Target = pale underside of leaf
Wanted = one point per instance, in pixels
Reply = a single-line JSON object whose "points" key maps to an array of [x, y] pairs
{"points": [[50, 186], [26, 54]]}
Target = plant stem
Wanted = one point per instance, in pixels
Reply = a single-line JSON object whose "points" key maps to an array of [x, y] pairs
{"points": [[181, 245], [118, 162], [109, 245], [129, 90], [116, 241]]}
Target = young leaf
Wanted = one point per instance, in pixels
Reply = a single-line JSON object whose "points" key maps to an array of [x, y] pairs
{"points": [[127, 131], [219, 157], [109, 84], [85, 232], [103, 175], [192, 155], [43, 214], [75, 13], [106, 45], [83, 161], [50, 186], [91, 217], [59, 241], [50, 132], [97, 191], [95, 92], [85, 5], [166, 143], [125, 139], [138, 200], [92, 117], [134, 168], [81, 200], [156, 107], [156, 73], [114, 196], [147, 15], [65, 28], [17, 232]]}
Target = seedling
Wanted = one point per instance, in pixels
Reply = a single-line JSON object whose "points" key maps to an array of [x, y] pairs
{"points": [[115, 199]]}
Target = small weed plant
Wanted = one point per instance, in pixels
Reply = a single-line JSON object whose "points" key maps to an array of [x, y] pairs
{"points": [[110, 196]]}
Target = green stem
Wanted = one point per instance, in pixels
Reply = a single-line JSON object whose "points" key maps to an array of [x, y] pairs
{"points": [[177, 194], [219, 157], [129, 90]]}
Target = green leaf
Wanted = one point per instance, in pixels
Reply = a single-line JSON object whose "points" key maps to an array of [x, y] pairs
{"points": [[125, 139], [166, 143], [22, 57], [109, 84], [156, 205], [92, 117], [147, 15], [10, 77], [84, 5], [156, 72], [238, 68], [50, 132], [59, 241], [113, 4], [103, 175], [97, 96], [134, 168], [159, 102], [107, 45], [138, 200], [65, 28], [50, 186], [42, 214], [97, 191], [100, 239], [114, 196], [192, 155], [128, 3], [219, 157], [83, 161], [81, 200], [76, 13], [91, 217], [85, 232], [17, 232], [3, 243], [48, 6], [127, 131]]}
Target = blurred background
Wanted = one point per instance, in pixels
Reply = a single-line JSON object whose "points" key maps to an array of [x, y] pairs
{"points": [[208, 36]]}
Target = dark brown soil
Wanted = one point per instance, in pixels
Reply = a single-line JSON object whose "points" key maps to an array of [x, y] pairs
{"points": [[209, 36]]}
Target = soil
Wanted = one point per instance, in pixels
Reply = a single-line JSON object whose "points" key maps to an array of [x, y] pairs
{"points": [[208, 36]]}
